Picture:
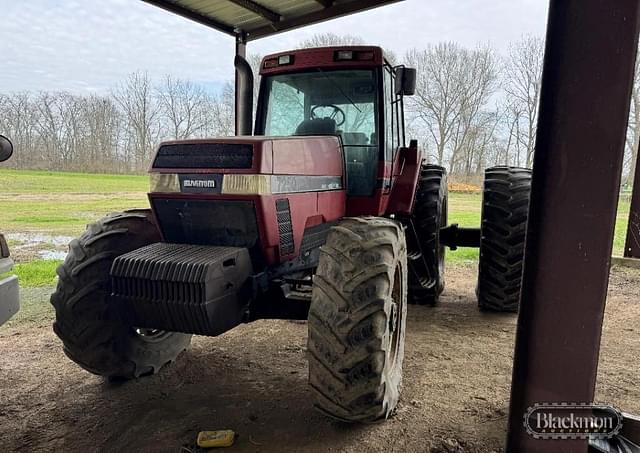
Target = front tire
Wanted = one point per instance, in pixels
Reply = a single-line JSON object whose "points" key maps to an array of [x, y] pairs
{"points": [[93, 334], [505, 212], [357, 320]]}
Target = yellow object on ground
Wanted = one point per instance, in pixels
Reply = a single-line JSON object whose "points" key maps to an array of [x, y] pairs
{"points": [[210, 439]]}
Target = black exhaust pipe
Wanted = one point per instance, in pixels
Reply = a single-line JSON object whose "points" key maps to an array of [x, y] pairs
{"points": [[244, 96]]}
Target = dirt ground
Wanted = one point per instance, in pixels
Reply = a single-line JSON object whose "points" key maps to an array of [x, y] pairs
{"points": [[253, 380]]}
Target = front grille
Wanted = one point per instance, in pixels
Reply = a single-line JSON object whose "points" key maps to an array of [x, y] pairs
{"points": [[204, 155], [285, 229], [208, 222]]}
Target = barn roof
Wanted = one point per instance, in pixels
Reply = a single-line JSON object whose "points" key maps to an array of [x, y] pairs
{"points": [[256, 19]]}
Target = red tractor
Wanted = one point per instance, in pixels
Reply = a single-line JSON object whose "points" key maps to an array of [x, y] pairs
{"points": [[325, 213]]}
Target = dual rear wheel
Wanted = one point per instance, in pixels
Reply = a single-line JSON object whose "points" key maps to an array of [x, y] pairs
{"points": [[505, 211], [505, 208]]}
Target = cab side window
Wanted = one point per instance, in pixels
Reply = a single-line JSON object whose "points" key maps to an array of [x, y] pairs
{"points": [[393, 116], [389, 116]]}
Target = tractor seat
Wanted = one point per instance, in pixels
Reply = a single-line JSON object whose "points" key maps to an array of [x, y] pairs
{"points": [[318, 126]]}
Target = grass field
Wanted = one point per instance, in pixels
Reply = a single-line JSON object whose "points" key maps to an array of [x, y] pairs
{"points": [[47, 205], [63, 203]]}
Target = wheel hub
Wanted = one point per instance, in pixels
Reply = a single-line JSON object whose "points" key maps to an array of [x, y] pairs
{"points": [[151, 335], [393, 317]]}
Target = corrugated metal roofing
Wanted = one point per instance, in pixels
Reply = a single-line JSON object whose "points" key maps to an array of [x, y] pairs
{"points": [[259, 18]]}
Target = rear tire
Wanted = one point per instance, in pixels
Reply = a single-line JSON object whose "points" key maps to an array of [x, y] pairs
{"points": [[429, 215], [93, 334], [505, 211], [357, 320]]}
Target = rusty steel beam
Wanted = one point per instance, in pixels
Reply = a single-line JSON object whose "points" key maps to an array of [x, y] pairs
{"points": [[258, 9], [586, 86], [632, 244]]}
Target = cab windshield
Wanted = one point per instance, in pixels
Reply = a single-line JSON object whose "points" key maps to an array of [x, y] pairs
{"points": [[340, 102]]}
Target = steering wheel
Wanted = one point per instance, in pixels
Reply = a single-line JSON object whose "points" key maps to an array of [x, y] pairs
{"points": [[336, 113]]}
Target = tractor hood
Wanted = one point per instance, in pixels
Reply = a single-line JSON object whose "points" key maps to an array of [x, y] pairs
{"points": [[248, 165], [274, 196]]}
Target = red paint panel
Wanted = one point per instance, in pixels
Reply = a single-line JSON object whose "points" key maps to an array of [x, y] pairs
{"points": [[404, 187], [313, 221], [305, 206], [313, 156], [384, 169], [374, 205], [322, 57], [268, 226], [332, 204]]}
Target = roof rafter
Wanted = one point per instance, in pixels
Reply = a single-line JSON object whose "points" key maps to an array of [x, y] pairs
{"points": [[325, 3], [258, 9], [268, 21], [333, 11], [194, 16]]}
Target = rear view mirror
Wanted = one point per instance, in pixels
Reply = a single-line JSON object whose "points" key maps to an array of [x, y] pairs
{"points": [[405, 81], [6, 148]]}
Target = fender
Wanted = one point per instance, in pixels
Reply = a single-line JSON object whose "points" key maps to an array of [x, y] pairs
{"points": [[406, 171]]}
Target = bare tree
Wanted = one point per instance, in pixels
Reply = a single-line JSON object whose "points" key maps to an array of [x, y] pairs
{"points": [[474, 152], [454, 85], [54, 127], [103, 129], [183, 107], [220, 112], [480, 78], [140, 111], [331, 39], [18, 120], [512, 115], [522, 81], [254, 61], [633, 129]]}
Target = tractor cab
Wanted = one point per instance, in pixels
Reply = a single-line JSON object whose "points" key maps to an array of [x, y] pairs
{"points": [[349, 92]]}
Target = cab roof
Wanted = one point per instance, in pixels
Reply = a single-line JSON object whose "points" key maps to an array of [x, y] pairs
{"points": [[336, 57], [254, 19]]}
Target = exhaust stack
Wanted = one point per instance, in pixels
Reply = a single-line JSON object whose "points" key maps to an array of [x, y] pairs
{"points": [[244, 96]]}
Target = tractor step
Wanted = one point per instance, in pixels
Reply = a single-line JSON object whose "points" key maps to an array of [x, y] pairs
{"points": [[203, 290]]}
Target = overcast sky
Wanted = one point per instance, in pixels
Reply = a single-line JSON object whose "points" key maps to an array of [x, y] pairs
{"points": [[91, 45]]}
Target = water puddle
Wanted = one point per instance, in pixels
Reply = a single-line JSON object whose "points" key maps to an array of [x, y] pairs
{"points": [[52, 255], [28, 247], [33, 239]]}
